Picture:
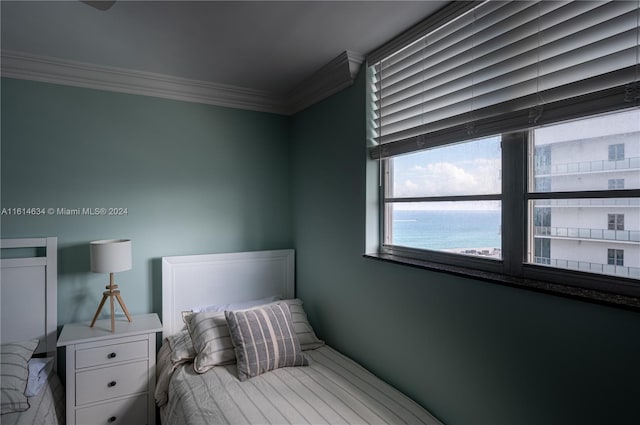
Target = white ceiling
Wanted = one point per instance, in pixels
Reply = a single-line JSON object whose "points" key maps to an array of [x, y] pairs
{"points": [[268, 46]]}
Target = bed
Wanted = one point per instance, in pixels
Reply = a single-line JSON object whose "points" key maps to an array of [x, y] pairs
{"points": [[231, 369], [31, 390]]}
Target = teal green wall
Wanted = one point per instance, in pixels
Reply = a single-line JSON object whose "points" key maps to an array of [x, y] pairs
{"points": [[469, 351], [194, 178]]}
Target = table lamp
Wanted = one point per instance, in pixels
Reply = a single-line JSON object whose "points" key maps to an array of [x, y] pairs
{"points": [[111, 256]]}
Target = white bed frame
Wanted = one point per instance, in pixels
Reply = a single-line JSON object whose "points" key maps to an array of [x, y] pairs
{"points": [[201, 280], [29, 293]]}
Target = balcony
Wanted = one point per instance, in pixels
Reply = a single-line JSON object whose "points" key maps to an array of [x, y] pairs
{"points": [[600, 202], [633, 272], [632, 236], [584, 167]]}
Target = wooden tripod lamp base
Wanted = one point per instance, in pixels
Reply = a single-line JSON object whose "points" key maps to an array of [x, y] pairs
{"points": [[110, 256], [111, 293]]}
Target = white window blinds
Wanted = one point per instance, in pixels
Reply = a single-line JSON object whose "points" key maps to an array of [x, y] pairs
{"points": [[504, 66]]}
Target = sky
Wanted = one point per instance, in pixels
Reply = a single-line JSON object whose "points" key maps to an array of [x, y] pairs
{"points": [[469, 168]]}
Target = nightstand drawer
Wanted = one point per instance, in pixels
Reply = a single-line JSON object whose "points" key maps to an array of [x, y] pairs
{"points": [[109, 382], [131, 411], [111, 354]]}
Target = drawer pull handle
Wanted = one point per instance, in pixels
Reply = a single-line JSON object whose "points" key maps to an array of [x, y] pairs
{"points": [[111, 384], [111, 419], [112, 355]]}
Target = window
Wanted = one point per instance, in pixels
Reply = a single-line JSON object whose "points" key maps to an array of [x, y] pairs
{"points": [[615, 222], [615, 257], [446, 199], [616, 152], [542, 228], [616, 184], [508, 137]]}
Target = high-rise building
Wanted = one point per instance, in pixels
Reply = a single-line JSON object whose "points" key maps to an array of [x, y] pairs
{"points": [[599, 234]]}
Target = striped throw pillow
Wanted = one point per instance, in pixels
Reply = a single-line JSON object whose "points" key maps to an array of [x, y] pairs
{"points": [[306, 335], [211, 340], [14, 373], [264, 340]]}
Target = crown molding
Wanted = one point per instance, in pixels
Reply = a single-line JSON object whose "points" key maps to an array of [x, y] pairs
{"points": [[336, 75], [331, 78], [58, 71]]}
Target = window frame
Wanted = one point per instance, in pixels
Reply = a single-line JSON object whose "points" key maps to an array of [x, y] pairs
{"points": [[615, 257], [616, 152], [615, 221], [433, 256], [615, 184], [388, 201], [513, 269]]}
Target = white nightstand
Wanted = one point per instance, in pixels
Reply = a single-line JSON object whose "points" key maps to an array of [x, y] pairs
{"points": [[111, 376]]}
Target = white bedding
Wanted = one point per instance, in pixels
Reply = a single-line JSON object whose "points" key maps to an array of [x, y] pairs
{"points": [[46, 408], [332, 389]]}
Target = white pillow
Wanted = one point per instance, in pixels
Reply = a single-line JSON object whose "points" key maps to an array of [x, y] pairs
{"points": [[39, 370], [236, 306], [241, 305]]}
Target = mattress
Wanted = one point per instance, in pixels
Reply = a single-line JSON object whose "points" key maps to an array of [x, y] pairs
{"points": [[332, 389], [46, 408]]}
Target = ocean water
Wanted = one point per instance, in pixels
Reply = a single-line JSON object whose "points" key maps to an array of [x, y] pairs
{"points": [[445, 230]]}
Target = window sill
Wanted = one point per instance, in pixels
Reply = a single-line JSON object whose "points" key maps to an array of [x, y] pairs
{"points": [[582, 294]]}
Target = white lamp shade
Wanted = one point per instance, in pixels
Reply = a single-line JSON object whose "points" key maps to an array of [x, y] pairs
{"points": [[110, 256]]}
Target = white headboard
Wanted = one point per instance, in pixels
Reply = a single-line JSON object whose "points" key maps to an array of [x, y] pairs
{"points": [[200, 280], [29, 292]]}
